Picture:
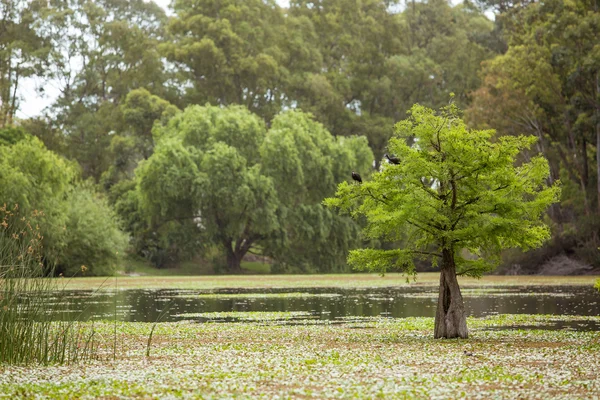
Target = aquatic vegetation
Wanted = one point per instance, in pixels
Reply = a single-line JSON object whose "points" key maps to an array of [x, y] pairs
{"points": [[286, 295], [29, 331], [387, 358]]}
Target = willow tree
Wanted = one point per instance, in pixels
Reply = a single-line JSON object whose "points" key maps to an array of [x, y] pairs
{"points": [[204, 178], [458, 197]]}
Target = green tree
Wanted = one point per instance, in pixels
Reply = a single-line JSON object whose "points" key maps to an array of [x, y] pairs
{"points": [[229, 53], [306, 162], [220, 176], [77, 226], [107, 49], [92, 236], [547, 85], [456, 197], [377, 63], [205, 171], [24, 51]]}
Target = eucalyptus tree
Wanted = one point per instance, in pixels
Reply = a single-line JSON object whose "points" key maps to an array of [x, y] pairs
{"points": [[377, 62], [228, 52], [457, 197], [25, 51], [107, 48], [548, 84]]}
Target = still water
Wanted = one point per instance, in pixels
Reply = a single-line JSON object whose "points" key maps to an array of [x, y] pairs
{"points": [[322, 303]]}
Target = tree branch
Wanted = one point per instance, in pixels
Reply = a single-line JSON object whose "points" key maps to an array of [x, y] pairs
{"points": [[429, 253]]}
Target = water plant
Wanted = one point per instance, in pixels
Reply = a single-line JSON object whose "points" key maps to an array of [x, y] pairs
{"points": [[28, 330]]}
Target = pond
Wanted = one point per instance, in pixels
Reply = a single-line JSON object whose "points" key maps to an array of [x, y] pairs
{"points": [[323, 304]]}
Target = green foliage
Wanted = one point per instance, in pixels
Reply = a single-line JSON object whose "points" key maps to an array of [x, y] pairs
{"points": [[28, 333], [117, 42], [77, 226], [92, 238], [218, 174], [25, 50], [204, 173], [377, 63], [300, 153], [231, 52], [547, 85], [597, 285], [456, 190], [37, 179], [11, 135]]}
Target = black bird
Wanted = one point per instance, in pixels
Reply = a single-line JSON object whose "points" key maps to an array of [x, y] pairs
{"points": [[356, 177], [392, 159]]}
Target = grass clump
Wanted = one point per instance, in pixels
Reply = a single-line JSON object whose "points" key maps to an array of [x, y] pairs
{"points": [[29, 303]]}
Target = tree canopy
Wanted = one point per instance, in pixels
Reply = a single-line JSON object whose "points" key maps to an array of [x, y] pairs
{"points": [[456, 197], [77, 226], [114, 71], [219, 172]]}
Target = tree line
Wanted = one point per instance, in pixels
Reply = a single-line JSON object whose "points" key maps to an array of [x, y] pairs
{"points": [[220, 128]]}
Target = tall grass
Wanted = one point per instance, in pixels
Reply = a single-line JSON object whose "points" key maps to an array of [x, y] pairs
{"points": [[34, 327]]}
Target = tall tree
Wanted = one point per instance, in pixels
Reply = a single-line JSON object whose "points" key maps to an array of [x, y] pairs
{"points": [[205, 170], [24, 50], [229, 53], [547, 85], [377, 63], [107, 48], [456, 197]]}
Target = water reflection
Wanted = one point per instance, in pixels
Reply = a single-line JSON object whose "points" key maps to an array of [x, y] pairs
{"points": [[322, 303]]}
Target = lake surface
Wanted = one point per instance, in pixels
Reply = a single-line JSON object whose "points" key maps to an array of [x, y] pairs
{"points": [[336, 305]]}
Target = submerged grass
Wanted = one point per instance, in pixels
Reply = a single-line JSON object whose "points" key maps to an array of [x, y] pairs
{"points": [[373, 358]]}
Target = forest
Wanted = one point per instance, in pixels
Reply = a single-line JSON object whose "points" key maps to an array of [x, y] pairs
{"points": [[214, 130]]}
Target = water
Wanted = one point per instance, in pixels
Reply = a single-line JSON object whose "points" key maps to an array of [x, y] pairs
{"points": [[169, 305]]}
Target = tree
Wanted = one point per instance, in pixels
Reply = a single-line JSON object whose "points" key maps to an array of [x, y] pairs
{"points": [[76, 224], [205, 171], [305, 162], [140, 111], [456, 197], [547, 85], [377, 63], [218, 174], [24, 50], [107, 48], [228, 52]]}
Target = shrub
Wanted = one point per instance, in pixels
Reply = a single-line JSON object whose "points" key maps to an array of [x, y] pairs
{"points": [[92, 241]]}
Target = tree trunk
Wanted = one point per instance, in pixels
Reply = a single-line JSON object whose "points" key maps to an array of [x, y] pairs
{"points": [[450, 318], [234, 261], [597, 112]]}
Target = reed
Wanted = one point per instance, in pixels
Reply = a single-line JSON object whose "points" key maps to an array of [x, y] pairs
{"points": [[34, 324]]}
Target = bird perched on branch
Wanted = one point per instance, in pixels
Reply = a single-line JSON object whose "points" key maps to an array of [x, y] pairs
{"points": [[392, 159], [356, 177]]}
